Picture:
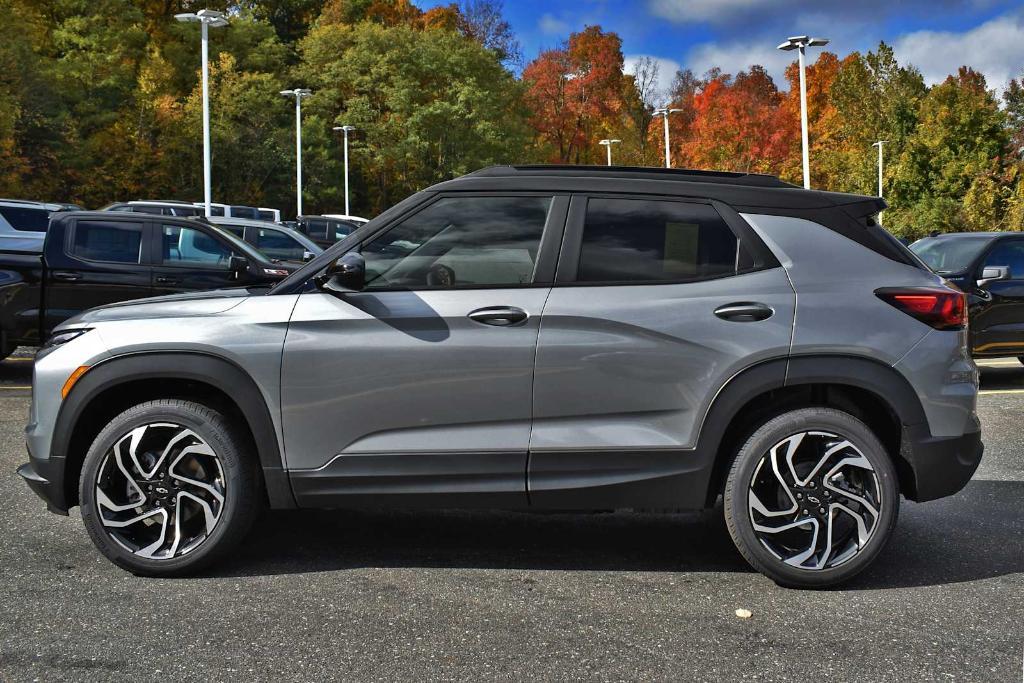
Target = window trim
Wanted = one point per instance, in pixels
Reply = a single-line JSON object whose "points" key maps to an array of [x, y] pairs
{"points": [[572, 246], [69, 241], [547, 249]]}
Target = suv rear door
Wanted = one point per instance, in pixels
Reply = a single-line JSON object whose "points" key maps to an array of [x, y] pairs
{"points": [[657, 303], [422, 382]]}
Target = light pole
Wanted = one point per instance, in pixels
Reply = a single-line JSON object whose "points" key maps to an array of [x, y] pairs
{"points": [[879, 146], [801, 43], [345, 130], [206, 19], [298, 94], [608, 145], [664, 112]]}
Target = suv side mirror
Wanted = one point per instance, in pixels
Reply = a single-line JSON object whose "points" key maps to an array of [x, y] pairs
{"points": [[307, 256], [238, 265], [347, 273], [993, 274]]}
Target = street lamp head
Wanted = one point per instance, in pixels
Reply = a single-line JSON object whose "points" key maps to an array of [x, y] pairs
{"points": [[796, 42], [297, 92], [347, 129], [879, 143], [206, 16], [212, 17], [609, 142]]}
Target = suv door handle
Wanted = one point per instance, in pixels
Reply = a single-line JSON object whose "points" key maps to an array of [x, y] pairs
{"points": [[164, 280], [499, 316], [66, 276], [744, 312]]}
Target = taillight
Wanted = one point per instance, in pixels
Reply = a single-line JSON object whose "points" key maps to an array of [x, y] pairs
{"points": [[943, 309]]}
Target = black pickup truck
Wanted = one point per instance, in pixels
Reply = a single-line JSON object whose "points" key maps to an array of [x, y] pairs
{"points": [[91, 258]]}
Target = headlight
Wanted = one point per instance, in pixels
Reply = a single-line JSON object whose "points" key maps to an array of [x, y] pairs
{"points": [[64, 336]]}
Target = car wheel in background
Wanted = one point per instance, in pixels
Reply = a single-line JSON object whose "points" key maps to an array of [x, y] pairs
{"points": [[811, 498]]}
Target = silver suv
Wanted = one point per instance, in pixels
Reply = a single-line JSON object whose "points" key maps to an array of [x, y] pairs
{"points": [[532, 338]]}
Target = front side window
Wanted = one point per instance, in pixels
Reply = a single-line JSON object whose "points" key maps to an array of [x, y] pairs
{"points": [[110, 241], [278, 245], [1008, 253], [460, 242], [190, 247], [643, 240]]}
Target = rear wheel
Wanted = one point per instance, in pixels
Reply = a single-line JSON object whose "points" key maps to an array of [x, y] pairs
{"points": [[811, 498], [167, 488]]}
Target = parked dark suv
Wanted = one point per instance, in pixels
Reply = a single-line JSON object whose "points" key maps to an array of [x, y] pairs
{"points": [[989, 266], [535, 338]]}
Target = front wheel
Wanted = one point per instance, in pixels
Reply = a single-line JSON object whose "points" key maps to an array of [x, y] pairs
{"points": [[167, 488], [811, 498]]}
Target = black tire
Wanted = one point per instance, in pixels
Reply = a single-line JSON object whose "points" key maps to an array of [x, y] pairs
{"points": [[242, 493], [739, 517]]}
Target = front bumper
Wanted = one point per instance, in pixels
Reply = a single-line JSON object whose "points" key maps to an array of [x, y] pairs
{"points": [[936, 467], [46, 479]]}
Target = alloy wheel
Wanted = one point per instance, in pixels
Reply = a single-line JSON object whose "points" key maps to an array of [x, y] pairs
{"points": [[160, 491], [814, 500]]}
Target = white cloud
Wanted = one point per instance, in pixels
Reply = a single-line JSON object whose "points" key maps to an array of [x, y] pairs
{"points": [[666, 70], [702, 10], [995, 48], [738, 56], [551, 25]]}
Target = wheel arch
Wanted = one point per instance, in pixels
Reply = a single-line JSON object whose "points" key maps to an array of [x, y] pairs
{"points": [[872, 391], [115, 384]]}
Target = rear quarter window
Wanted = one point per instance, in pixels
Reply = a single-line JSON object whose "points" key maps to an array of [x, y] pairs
{"points": [[25, 219]]}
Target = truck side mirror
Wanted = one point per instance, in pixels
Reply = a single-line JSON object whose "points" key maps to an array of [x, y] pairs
{"points": [[238, 265], [991, 274]]}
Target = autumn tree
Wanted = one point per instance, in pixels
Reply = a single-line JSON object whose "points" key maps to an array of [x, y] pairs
{"points": [[575, 94]]}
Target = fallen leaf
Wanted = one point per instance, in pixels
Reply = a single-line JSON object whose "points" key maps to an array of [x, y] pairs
{"points": [[743, 613]]}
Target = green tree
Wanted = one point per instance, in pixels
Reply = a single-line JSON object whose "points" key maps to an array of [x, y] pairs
{"points": [[428, 105]]}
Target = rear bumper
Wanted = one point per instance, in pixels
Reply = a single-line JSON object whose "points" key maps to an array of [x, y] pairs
{"points": [[936, 467], [46, 478]]}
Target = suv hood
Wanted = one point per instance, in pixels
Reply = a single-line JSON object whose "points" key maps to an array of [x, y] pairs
{"points": [[188, 304]]}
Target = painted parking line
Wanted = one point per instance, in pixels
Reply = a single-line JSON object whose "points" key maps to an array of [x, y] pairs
{"points": [[7, 387], [18, 360], [988, 392]]}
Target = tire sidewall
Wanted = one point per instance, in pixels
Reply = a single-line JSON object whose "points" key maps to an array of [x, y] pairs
{"points": [[776, 430], [227, 452]]}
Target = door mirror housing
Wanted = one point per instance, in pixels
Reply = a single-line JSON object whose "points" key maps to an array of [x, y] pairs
{"points": [[347, 273], [991, 274], [307, 256], [238, 265]]}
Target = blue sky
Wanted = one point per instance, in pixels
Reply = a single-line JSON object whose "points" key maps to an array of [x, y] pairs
{"points": [[937, 36]]}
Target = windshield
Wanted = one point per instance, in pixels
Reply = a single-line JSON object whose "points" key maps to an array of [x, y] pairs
{"points": [[950, 255], [26, 219]]}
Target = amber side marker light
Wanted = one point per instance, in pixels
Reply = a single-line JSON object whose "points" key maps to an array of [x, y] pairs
{"points": [[74, 377]]}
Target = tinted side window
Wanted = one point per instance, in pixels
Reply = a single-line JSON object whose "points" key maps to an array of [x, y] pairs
{"points": [[112, 241], [642, 240], [25, 219], [317, 229], [276, 244], [191, 247], [1008, 253], [465, 241]]}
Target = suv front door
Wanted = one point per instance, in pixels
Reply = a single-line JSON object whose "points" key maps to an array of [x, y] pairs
{"points": [[656, 304], [421, 383]]}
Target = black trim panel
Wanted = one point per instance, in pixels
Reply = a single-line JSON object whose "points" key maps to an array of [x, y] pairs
{"points": [[938, 466], [201, 368], [448, 479]]}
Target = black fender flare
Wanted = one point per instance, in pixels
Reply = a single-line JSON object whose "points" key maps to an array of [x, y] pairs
{"points": [[779, 373], [200, 367]]}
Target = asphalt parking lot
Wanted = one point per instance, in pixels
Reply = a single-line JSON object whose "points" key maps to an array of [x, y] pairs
{"points": [[497, 595]]}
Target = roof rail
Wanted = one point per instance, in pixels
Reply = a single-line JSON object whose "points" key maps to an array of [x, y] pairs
{"points": [[640, 172]]}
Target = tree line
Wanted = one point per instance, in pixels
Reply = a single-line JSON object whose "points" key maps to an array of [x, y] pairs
{"points": [[100, 101]]}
